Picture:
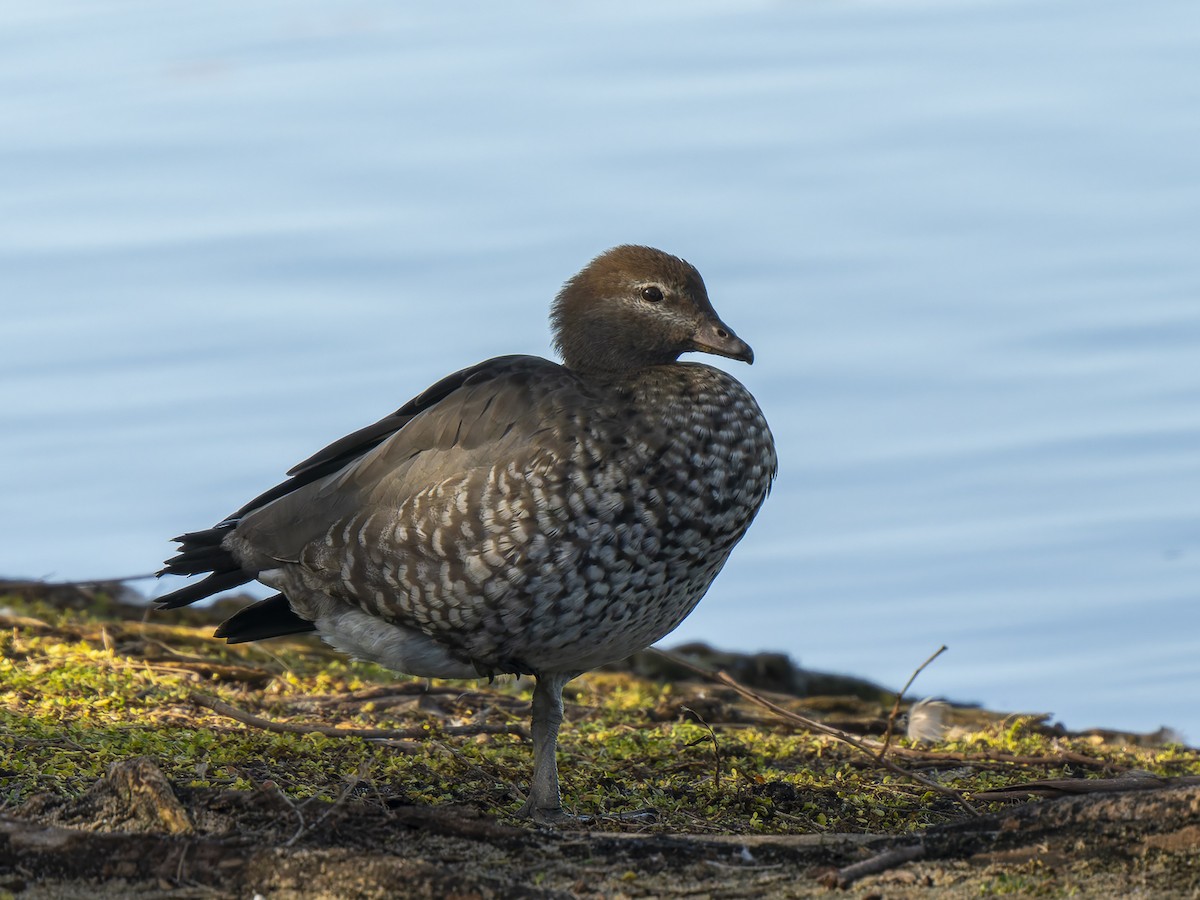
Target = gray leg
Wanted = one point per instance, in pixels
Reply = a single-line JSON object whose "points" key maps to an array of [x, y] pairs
{"points": [[545, 802]]}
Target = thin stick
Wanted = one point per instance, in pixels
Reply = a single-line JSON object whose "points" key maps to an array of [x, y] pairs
{"points": [[222, 708], [887, 735], [750, 695], [813, 725]]}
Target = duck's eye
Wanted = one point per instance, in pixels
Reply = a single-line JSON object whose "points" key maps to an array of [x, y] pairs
{"points": [[652, 294]]}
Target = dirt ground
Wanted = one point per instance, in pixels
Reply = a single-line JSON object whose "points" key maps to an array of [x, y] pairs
{"points": [[115, 842]]}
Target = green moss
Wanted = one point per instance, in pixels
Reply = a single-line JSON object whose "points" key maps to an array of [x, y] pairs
{"points": [[81, 689]]}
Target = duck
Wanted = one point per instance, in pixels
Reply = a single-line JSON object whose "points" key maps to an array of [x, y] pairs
{"points": [[520, 516]]}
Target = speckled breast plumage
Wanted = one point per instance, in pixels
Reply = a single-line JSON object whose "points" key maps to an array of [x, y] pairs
{"points": [[596, 519]]}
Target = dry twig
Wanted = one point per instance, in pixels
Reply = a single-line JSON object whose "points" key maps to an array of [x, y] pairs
{"points": [[1071, 787], [880, 862], [1063, 757], [813, 725], [891, 722]]}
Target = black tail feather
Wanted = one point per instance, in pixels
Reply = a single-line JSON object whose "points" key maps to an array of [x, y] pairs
{"points": [[215, 583], [268, 618], [197, 561], [201, 552], [209, 537]]}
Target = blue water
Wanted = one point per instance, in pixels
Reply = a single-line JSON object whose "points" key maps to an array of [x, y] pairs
{"points": [[962, 239]]}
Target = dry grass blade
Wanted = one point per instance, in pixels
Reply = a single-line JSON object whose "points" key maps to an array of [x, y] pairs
{"points": [[712, 735]]}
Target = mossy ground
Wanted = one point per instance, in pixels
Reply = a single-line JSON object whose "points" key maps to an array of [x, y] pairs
{"points": [[83, 688]]}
